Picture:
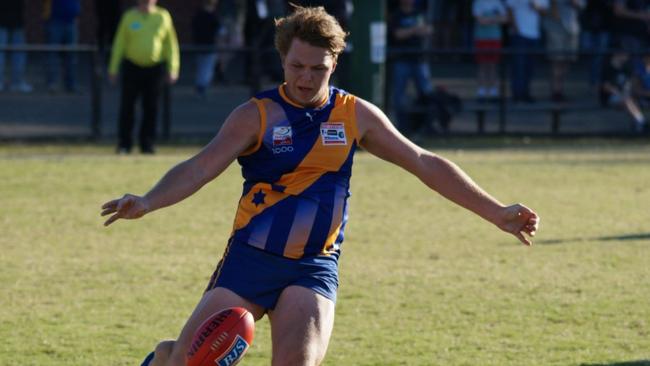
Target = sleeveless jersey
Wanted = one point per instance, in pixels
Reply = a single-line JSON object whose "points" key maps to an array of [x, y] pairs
{"points": [[297, 177]]}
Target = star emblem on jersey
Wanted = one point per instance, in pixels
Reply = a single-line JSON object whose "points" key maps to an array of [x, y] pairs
{"points": [[258, 198]]}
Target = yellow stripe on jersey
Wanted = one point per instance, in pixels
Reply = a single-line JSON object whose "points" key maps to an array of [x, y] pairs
{"points": [[321, 158], [260, 138]]}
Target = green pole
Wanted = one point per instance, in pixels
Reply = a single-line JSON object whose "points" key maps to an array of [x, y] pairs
{"points": [[368, 55]]}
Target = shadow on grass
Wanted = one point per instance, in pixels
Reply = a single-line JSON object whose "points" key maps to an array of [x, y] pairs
{"points": [[626, 363], [644, 236]]}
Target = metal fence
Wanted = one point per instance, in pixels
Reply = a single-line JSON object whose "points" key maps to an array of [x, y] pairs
{"points": [[92, 112]]}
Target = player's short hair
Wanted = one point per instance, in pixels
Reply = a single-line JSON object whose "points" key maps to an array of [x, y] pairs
{"points": [[312, 25]]}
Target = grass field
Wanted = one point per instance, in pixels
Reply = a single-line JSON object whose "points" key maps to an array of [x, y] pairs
{"points": [[423, 282]]}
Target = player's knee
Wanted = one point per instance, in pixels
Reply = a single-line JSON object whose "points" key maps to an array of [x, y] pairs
{"points": [[175, 355], [162, 352]]}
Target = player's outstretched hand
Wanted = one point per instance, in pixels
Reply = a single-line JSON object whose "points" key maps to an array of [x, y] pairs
{"points": [[519, 220], [127, 207]]}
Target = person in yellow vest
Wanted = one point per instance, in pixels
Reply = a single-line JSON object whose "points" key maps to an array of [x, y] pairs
{"points": [[146, 49]]}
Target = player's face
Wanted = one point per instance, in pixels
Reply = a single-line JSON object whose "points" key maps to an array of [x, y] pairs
{"points": [[307, 71]]}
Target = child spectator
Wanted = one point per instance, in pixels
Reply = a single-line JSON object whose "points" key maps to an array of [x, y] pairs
{"points": [[616, 87], [489, 15], [205, 27]]}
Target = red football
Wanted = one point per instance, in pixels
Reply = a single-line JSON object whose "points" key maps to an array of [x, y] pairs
{"points": [[222, 339]]}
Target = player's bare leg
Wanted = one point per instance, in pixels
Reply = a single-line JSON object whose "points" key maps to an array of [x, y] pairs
{"points": [[301, 326], [172, 353]]}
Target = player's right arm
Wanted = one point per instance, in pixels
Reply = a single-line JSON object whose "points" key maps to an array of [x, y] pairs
{"points": [[239, 132]]}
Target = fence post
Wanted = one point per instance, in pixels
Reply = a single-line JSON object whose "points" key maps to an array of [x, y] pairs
{"points": [[367, 62]]}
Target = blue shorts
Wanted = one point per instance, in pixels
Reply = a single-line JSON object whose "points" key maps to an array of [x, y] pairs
{"points": [[260, 277]]}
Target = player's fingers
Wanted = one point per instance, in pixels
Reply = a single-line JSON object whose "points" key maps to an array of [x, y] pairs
{"points": [[523, 239], [110, 204], [112, 219], [108, 211], [529, 230]]}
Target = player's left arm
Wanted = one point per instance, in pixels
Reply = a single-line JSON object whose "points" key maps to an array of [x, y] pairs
{"points": [[381, 138]]}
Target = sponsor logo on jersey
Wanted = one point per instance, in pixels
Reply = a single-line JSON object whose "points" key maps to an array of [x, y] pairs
{"points": [[282, 140], [282, 136], [235, 352], [333, 133]]}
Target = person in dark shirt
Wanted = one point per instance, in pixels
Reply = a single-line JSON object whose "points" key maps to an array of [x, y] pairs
{"points": [[616, 89], [205, 27], [407, 31], [596, 20], [12, 32]]}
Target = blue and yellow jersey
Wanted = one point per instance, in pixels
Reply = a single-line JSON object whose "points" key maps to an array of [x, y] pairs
{"points": [[297, 177]]}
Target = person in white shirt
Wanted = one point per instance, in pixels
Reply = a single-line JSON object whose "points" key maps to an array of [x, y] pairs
{"points": [[526, 34]]}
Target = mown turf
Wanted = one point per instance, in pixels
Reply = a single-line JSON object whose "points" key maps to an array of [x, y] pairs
{"points": [[423, 282]]}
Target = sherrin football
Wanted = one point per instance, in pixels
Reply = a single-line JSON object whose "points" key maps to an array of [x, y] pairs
{"points": [[223, 339]]}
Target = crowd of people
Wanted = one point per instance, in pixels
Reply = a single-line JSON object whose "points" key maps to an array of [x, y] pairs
{"points": [[559, 30]]}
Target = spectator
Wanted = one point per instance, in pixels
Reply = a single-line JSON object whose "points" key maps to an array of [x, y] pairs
{"points": [[616, 88], [596, 21], [562, 41], [489, 15], [445, 17], [526, 34], [407, 30], [205, 27], [12, 32], [61, 29], [146, 47], [259, 30], [231, 34]]}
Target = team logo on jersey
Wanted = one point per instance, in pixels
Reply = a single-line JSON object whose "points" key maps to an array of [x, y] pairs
{"points": [[333, 133], [282, 139]]}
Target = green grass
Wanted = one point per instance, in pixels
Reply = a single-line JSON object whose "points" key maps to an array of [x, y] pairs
{"points": [[423, 282]]}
